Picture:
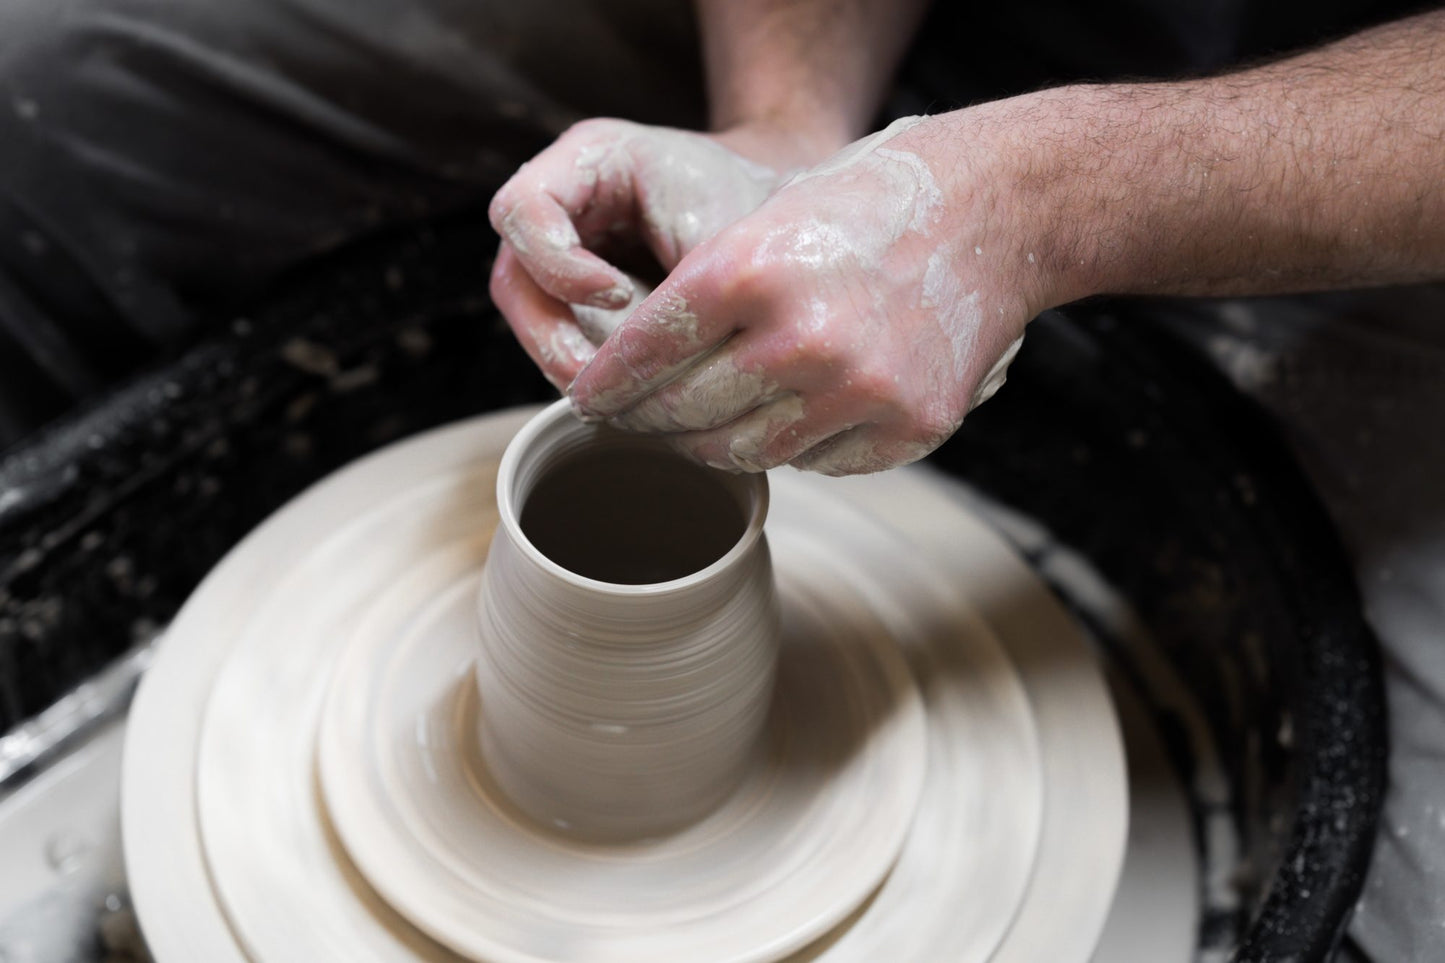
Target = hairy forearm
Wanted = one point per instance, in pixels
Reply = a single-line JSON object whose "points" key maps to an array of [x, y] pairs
{"points": [[1325, 170], [818, 68]]}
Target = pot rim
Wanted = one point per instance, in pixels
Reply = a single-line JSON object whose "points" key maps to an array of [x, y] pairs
{"points": [[524, 445]]}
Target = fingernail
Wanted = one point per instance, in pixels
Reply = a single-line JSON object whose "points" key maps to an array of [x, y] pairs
{"points": [[745, 465], [582, 413]]}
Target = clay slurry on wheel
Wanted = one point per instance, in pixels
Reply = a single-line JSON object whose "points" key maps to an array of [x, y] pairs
{"points": [[631, 516]]}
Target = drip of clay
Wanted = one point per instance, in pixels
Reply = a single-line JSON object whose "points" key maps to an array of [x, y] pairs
{"points": [[628, 629]]}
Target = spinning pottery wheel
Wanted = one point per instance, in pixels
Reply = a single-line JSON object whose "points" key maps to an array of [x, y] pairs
{"points": [[940, 775], [1161, 507]]}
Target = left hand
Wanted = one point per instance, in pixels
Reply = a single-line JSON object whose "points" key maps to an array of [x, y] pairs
{"points": [[616, 183]]}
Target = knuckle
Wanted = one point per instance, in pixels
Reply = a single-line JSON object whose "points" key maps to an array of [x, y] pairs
{"points": [[877, 385], [816, 344], [927, 424], [755, 274]]}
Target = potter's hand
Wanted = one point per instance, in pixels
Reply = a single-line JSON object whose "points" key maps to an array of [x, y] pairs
{"points": [[846, 326], [849, 322], [607, 184]]}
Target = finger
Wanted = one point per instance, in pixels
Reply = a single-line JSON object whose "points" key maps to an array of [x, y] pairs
{"points": [[672, 330], [717, 390], [540, 230], [862, 450], [544, 326], [771, 435], [581, 182], [599, 323]]}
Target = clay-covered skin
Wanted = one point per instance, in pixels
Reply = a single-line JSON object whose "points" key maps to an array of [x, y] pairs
{"points": [[844, 326], [847, 324], [606, 181]]}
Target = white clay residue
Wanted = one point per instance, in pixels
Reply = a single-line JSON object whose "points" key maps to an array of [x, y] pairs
{"points": [[712, 394], [689, 186], [566, 344], [599, 323], [677, 325], [858, 451], [856, 151], [913, 197], [996, 376], [958, 311], [748, 446], [527, 237], [959, 317], [674, 319], [590, 160], [914, 202], [926, 196]]}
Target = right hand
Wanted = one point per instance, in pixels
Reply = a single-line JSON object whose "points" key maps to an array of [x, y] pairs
{"points": [[849, 323], [603, 182]]}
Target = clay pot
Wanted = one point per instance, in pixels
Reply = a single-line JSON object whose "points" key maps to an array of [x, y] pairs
{"points": [[628, 629]]}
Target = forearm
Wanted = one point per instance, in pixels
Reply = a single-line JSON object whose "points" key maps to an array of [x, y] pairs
{"points": [[816, 68], [1322, 171]]}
